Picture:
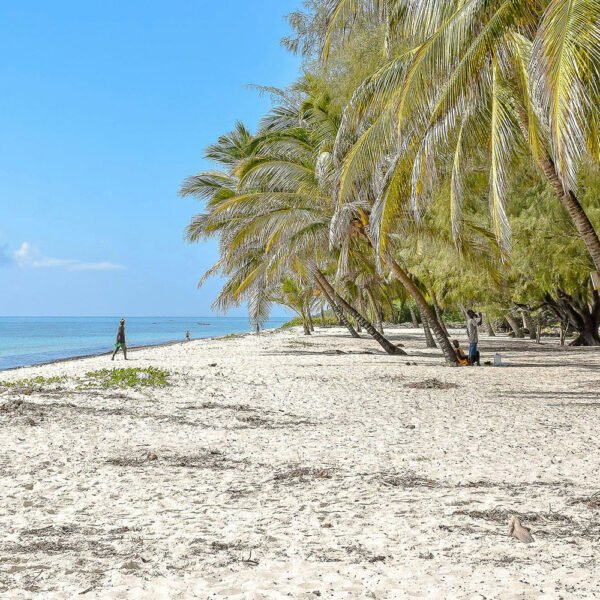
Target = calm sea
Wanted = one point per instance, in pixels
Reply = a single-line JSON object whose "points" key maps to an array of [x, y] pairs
{"points": [[33, 340]]}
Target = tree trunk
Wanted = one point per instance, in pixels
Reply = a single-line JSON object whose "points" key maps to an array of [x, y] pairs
{"points": [[381, 340], [398, 314], [374, 310], [336, 309], [514, 325], [529, 324], [413, 316], [567, 198], [582, 316], [488, 326], [428, 337], [576, 213], [438, 313], [322, 316], [587, 336], [311, 325], [415, 292]]}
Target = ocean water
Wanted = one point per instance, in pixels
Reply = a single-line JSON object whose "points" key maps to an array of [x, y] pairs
{"points": [[33, 340]]}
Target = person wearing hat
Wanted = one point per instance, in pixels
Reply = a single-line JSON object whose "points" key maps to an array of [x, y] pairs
{"points": [[120, 343]]}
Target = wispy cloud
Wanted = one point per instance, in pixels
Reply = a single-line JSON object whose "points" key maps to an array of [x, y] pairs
{"points": [[29, 257]]}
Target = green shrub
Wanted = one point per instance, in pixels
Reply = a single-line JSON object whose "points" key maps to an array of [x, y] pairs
{"points": [[33, 382], [132, 377], [330, 321]]}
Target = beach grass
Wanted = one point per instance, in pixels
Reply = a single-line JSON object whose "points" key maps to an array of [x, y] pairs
{"points": [[129, 378]]}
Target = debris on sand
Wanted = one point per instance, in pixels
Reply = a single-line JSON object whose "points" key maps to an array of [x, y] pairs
{"points": [[207, 459], [301, 474], [516, 530], [432, 384], [408, 479]]}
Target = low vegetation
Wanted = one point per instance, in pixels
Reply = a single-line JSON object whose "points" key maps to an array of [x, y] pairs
{"points": [[129, 378], [33, 382]]}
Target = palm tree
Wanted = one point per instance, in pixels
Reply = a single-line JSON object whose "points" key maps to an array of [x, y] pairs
{"points": [[478, 81], [278, 214], [299, 296]]}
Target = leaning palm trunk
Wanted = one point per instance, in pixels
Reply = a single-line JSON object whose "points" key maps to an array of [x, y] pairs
{"points": [[335, 307], [415, 292], [381, 340], [438, 313], [514, 325], [374, 310], [428, 337], [489, 328], [576, 213]]}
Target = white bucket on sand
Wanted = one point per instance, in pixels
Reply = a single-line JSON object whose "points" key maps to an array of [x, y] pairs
{"points": [[497, 360]]}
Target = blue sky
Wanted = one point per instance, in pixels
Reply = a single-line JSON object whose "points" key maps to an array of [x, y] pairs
{"points": [[105, 107]]}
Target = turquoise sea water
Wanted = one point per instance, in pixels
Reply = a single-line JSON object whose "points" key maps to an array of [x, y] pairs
{"points": [[33, 340]]}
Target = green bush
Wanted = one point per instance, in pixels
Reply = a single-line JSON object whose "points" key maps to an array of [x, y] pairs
{"points": [[33, 382], [330, 321], [132, 377]]}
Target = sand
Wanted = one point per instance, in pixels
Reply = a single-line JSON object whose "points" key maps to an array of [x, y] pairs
{"points": [[305, 467]]}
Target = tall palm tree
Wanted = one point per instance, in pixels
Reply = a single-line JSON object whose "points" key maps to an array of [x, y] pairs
{"points": [[279, 213], [479, 81]]}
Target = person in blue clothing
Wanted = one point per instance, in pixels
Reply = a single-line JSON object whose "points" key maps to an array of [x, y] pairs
{"points": [[474, 320]]}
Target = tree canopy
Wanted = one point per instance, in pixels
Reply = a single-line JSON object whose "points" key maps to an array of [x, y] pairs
{"points": [[444, 154]]}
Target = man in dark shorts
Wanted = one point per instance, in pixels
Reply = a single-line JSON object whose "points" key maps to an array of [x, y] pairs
{"points": [[120, 343]]}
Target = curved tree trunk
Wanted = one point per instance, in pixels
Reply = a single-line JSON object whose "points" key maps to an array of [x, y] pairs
{"points": [[336, 309], [582, 316], [374, 310], [428, 337], [567, 198], [415, 292], [576, 213], [381, 340], [529, 324], [311, 325], [489, 329], [438, 313], [514, 325]]}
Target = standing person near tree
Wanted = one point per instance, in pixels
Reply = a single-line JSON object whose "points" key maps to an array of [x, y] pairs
{"points": [[120, 343], [474, 320]]}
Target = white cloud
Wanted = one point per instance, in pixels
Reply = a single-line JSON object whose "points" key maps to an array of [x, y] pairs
{"points": [[29, 257]]}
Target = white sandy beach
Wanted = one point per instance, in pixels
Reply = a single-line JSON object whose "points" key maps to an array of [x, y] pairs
{"points": [[305, 467]]}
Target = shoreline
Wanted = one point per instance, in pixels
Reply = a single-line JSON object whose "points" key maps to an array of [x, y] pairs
{"points": [[68, 359]]}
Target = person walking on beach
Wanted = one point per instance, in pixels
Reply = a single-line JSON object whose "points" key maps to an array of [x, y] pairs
{"points": [[120, 343], [474, 320], [187, 336]]}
